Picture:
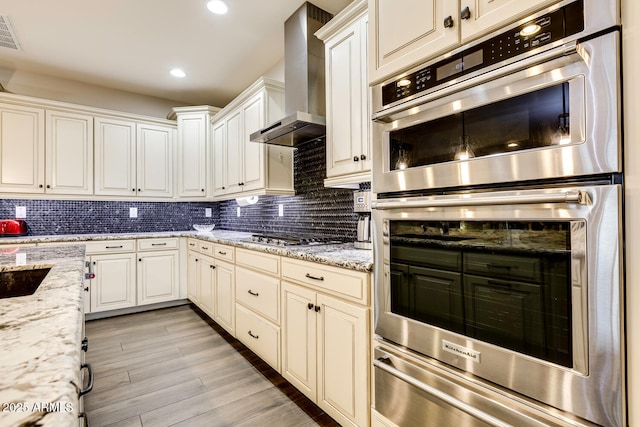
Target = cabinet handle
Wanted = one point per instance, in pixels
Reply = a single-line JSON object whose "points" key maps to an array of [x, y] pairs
{"points": [[113, 247], [465, 13], [85, 344], [504, 267], [309, 276], [253, 336], [448, 22], [310, 305], [355, 158], [255, 294], [192, 244], [86, 289], [222, 253], [205, 248], [363, 157], [317, 309], [90, 385], [83, 416], [159, 244]]}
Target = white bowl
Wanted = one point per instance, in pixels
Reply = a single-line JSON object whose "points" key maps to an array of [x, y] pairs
{"points": [[204, 228]]}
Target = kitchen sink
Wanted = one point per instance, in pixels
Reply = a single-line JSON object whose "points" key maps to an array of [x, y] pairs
{"points": [[21, 281]]}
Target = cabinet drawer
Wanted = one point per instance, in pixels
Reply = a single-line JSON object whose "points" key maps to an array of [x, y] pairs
{"points": [[157, 244], [110, 246], [192, 244], [260, 261], [262, 337], [205, 247], [223, 252], [503, 266], [259, 292], [349, 284]]}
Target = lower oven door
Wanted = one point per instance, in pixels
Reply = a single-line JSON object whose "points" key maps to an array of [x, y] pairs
{"points": [[520, 288], [412, 392]]}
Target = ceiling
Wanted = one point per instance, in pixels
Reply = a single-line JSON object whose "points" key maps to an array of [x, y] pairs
{"points": [[131, 45]]}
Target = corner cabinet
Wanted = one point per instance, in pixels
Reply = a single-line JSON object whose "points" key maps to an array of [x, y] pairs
{"points": [[401, 38], [243, 168], [347, 91], [194, 150]]}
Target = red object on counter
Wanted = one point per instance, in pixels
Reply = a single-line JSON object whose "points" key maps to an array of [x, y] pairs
{"points": [[13, 227]]}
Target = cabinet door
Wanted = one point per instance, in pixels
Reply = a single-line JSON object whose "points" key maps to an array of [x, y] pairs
{"points": [[234, 152], [253, 154], [206, 284], [343, 361], [115, 157], [346, 90], [299, 355], [220, 163], [487, 15], [402, 37], [158, 277], [114, 285], [21, 149], [192, 154], [224, 300], [68, 153], [193, 273], [86, 286], [154, 160]]}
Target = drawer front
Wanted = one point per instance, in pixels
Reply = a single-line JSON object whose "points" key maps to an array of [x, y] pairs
{"points": [[158, 244], [259, 292], [110, 246], [260, 261], [349, 284], [224, 252], [205, 247], [259, 335], [192, 244], [503, 266]]}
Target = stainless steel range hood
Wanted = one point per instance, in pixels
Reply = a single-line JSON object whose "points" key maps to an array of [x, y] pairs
{"points": [[304, 92]]}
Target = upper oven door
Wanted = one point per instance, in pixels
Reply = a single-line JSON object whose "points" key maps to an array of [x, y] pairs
{"points": [[553, 115], [511, 286]]}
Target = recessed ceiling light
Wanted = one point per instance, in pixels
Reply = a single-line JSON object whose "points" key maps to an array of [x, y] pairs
{"points": [[218, 7], [177, 72]]}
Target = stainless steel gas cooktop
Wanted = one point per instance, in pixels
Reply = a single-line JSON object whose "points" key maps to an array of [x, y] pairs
{"points": [[292, 240]]}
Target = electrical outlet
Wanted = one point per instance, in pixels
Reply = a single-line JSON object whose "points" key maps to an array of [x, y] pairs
{"points": [[280, 209], [133, 212], [21, 212], [238, 212], [207, 212]]}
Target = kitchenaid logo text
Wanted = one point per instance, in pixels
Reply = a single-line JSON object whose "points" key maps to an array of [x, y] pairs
{"points": [[465, 352]]}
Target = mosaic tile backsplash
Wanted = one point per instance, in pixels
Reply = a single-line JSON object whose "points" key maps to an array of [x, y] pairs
{"points": [[313, 210]]}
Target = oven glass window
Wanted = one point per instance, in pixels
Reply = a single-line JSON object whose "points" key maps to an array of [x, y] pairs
{"points": [[533, 120], [507, 283]]}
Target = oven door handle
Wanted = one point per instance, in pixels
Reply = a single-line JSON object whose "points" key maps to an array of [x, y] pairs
{"points": [[456, 403], [576, 197], [401, 110]]}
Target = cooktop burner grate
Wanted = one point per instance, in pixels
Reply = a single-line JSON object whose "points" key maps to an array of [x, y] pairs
{"points": [[290, 240]]}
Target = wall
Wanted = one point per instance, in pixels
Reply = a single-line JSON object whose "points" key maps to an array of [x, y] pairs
{"points": [[313, 210], [631, 109]]}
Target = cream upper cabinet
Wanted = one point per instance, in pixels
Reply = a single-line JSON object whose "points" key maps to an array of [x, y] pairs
{"points": [[404, 34], [68, 153], [21, 149], [194, 145], [133, 158], [45, 151], [347, 91], [482, 16], [249, 168]]}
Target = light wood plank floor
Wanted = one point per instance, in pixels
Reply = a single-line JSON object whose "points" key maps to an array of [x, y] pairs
{"points": [[175, 367]]}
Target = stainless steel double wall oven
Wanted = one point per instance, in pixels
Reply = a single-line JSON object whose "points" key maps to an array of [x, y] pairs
{"points": [[497, 228]]}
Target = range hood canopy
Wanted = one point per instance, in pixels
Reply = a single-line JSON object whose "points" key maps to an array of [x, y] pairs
{"points": [[304, 77]]}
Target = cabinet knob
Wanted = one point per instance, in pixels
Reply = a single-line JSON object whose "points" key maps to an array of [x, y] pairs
{"points": [[40, 186], [317, 309], [465, 13], [223, 188], [48, 186], [133, 189], [448, 22], [139, 259], [213, 267], [202, 189], [139, 190], [363, 157], [355, 158], [310, 305]]}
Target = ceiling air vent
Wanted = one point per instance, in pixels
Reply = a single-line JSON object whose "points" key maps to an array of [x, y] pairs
{"points": [[8, 35]]}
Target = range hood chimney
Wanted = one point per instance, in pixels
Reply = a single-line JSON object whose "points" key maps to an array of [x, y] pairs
{"points": [[304, 92]]}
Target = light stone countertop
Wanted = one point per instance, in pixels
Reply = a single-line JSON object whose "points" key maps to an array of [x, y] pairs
{"points": [[343, 255], [41, 336]]}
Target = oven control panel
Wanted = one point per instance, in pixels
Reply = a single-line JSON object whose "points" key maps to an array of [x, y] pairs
{"points": [[519, 40]]}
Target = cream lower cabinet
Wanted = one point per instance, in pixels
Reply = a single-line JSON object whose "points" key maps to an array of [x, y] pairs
{"points": [[158, 270], [258, 304], [224, 293], [325, 339], [114, 285]]}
